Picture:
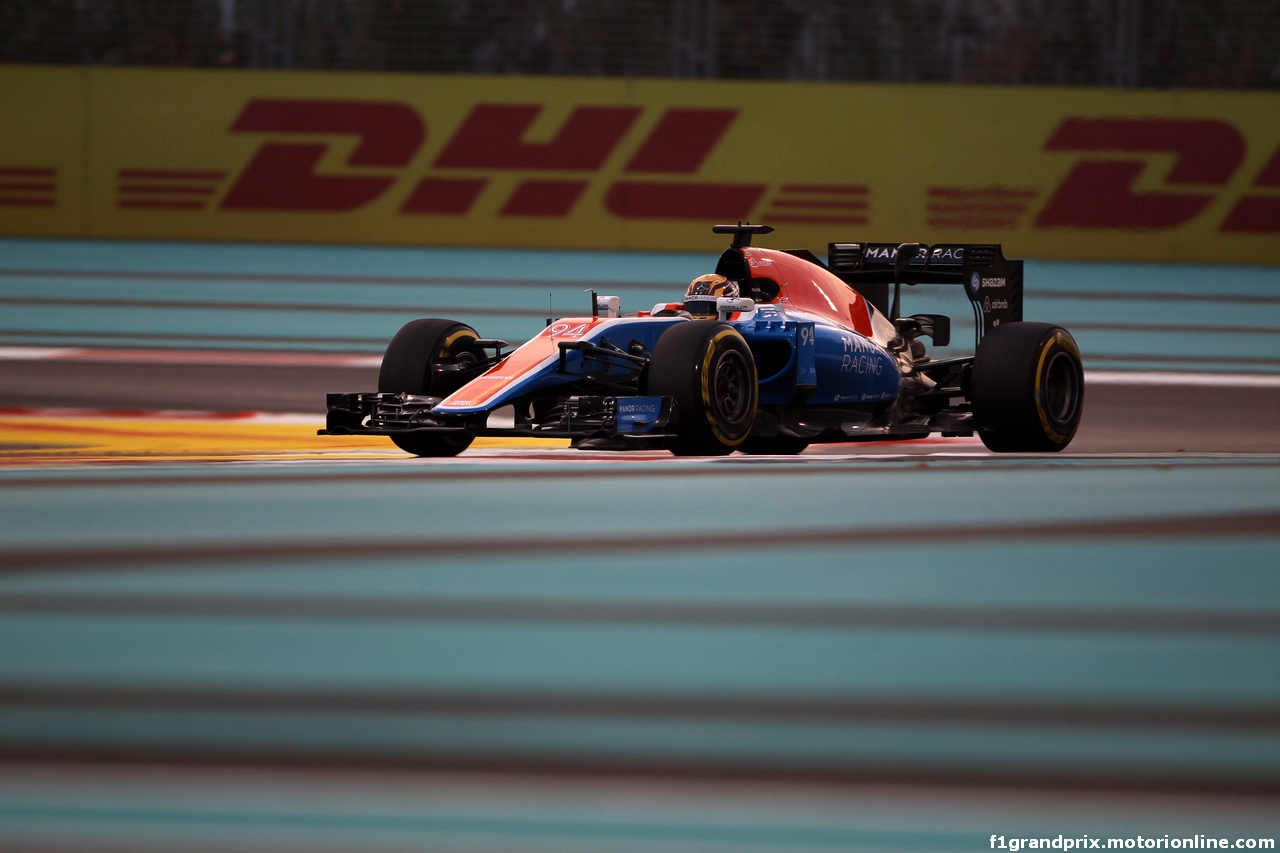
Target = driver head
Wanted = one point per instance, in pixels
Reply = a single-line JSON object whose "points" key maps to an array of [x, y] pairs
{"points": [[700, 298]]}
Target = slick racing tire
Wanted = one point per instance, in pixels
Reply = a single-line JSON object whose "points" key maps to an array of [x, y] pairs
{"points": [[1027, 388], [708, 369], [407, 369]]}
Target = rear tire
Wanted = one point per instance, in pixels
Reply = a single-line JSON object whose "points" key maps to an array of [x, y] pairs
{"points": [[1027, 388], [407, 369], [708, 369]]}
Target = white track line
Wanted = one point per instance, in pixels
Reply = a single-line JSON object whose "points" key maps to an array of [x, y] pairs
{"points": [[36, 353], [1202, 380], [173, 356]]}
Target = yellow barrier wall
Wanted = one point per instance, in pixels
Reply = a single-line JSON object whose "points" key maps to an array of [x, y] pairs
{"points": [[647, 164], [43, 131]]}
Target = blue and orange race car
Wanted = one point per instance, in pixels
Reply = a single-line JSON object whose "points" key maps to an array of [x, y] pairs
{"points": [[774, 351]]}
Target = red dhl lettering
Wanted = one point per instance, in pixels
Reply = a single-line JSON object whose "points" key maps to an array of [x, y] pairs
{"points": [[282, 175], [490, 138], [1258, 213], [682, 140], [1097, 191]]}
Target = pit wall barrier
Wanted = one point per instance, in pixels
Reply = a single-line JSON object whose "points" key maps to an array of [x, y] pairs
{"points": [[613, 163]]}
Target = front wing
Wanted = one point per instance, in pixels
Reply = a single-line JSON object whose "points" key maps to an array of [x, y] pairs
{"points": [[580, 417]]}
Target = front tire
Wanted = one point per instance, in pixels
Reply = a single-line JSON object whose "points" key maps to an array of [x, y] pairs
{"points": [[408, 368], [1027, 388], [708, 369]]}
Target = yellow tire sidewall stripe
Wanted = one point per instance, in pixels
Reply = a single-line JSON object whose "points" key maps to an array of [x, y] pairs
{"points": [[708, 408], [1066, 343]]}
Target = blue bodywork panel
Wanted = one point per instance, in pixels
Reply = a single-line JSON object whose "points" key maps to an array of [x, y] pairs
{"points": [[835, 365], [637, 415], [853, 369], [796, 358]]}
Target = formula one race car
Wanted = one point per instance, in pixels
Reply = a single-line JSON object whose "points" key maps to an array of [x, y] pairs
{"points": [[773, 352]]}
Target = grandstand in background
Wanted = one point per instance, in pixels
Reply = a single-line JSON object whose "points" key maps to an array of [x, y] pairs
{"points": [[1219, 44]]}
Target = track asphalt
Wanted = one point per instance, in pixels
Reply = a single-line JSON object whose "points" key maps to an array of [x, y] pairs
{"points": [[223, 633]]}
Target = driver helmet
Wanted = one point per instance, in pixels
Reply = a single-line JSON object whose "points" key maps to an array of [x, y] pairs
{"points": [[700, 298]]}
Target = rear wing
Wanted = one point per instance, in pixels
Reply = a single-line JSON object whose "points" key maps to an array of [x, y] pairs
{"points": [[992, 282]]}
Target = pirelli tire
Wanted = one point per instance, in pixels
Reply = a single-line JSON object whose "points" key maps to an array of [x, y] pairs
{"points": [[1027, 388], [708, 369], [407, 368]]}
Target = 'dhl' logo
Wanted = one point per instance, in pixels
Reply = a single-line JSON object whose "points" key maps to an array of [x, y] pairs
{"points": [[1098, 193], [282, 175]]}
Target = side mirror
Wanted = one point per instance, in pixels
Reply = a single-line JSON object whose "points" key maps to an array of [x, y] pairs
{"points": [[609, 306]]}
